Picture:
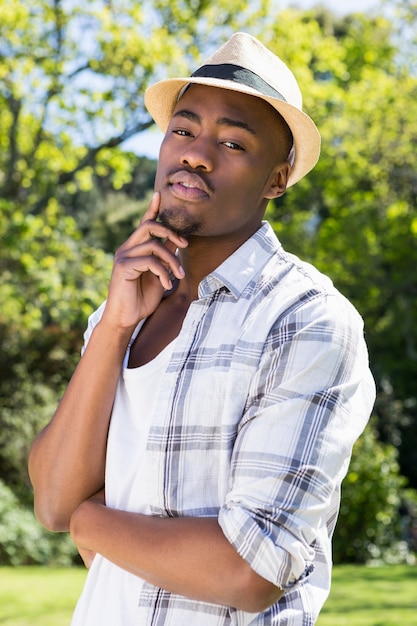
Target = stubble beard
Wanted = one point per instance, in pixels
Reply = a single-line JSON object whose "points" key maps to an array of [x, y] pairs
{"points": [[179, 224]]}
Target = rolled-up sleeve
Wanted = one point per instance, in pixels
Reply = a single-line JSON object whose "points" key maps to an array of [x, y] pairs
{"points": [[309, 401]]}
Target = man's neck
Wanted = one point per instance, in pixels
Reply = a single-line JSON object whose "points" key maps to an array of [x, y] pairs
{"points": [[201, 257]]}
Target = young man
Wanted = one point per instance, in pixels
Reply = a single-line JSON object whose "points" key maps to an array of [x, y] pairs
{"points": [[222, 384]]}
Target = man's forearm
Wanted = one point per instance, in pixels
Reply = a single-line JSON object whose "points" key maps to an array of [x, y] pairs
{"points": [[67, 459], [187, 556]]}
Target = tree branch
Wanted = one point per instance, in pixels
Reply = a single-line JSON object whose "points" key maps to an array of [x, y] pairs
{"points": [[11, 183], [89, 160]]}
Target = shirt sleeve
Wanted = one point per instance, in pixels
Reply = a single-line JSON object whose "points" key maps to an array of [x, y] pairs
{"points": [[309, 401], [93, 320]]}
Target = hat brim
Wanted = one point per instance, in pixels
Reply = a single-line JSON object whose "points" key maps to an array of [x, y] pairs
{"points": [[161, 99]]}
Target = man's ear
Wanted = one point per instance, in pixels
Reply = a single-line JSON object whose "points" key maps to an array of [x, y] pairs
{"points": [[279, 180]]}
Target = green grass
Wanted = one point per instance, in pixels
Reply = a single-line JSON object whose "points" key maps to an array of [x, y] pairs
{"points": [[372, 596], [38, 596], [360, 596]]}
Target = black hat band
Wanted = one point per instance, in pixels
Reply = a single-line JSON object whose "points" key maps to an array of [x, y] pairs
{"points": [[238, 74]]}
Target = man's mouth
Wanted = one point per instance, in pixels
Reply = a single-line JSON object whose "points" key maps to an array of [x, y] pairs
{"points": [[188, 185]]}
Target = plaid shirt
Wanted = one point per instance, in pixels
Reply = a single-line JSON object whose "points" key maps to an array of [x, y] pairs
{"points": [[267, 389]]}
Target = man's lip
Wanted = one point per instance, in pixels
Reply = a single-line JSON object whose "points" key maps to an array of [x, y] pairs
{"points": [[189, 181]]}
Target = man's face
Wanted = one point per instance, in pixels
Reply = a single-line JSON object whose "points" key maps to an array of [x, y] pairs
{"points": [[219, 164]]}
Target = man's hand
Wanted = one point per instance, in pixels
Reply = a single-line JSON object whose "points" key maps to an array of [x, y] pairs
{"points": [[142, 269], [87, 556]]}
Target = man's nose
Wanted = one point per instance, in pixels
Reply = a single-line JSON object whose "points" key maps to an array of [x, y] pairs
{"points": [[199, 154]]}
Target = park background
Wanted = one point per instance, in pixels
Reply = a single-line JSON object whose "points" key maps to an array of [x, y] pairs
{"points": [[77, 161]]}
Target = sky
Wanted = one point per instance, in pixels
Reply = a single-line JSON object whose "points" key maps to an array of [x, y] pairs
{"points": [[148, 142], [339, 6]]}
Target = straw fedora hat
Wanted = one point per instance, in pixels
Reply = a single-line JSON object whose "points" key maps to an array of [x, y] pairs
{"points": [[244, 64]]}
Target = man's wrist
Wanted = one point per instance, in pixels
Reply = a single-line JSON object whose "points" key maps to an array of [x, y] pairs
{"points": [[82, 520]]}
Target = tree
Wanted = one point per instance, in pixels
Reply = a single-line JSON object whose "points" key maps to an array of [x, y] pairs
{"points": [[368, 528], [355, 215], [404, 14], [73, 78], [106, 217], [23, 541], [50, 281]]}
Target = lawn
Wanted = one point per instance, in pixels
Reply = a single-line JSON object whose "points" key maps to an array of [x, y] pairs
{"points": [[372, 596], [38, 596], [361, 596]]}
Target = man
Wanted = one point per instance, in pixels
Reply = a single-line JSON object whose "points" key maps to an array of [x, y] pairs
{"points": [[222, 384]]}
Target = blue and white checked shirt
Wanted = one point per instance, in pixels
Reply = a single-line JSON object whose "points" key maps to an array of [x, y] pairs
{"points": [[267, 389]]}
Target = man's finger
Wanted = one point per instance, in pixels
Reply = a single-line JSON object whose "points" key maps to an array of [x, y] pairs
{"points": [[152, 211]]}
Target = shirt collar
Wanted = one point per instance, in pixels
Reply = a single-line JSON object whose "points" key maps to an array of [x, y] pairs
{"points": [[245, 263]]}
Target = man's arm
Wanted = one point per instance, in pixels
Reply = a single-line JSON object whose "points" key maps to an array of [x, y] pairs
{"points": [[185, 555], [66, 462]]}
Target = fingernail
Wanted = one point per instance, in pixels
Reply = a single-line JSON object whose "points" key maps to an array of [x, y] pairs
{"points": [[181, 270]]}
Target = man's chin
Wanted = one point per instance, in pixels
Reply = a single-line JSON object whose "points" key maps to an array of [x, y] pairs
{"points": [[180, 225]]}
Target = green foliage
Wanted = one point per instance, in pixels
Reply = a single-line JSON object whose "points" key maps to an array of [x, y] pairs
{"points": [[72, 79], [49, 276], [107, 217], [355, 215], [23, 541], [404, 15], [50, 281], [369, 525]]}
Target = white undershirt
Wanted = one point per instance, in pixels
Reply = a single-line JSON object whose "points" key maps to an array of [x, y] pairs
{"points": [[129, 427], [110, 595]]}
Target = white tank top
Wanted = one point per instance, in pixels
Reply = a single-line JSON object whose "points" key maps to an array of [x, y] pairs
{"points": [[131, 418], [125, 489]]}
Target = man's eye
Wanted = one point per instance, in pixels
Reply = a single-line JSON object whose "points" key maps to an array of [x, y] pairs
{"points": [[181, 132], [232, 145]]}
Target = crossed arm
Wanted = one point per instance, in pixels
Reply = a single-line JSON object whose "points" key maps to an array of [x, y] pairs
{"points": [[187, 556]]}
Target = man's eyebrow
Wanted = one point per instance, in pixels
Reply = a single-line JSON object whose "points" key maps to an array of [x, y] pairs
{"points": [[189, 115], [223, 121], [227, 121]]}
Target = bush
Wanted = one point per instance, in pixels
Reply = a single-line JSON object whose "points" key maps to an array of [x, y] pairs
{"points": [[23, 541], [50, 281], [369, 526]]}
